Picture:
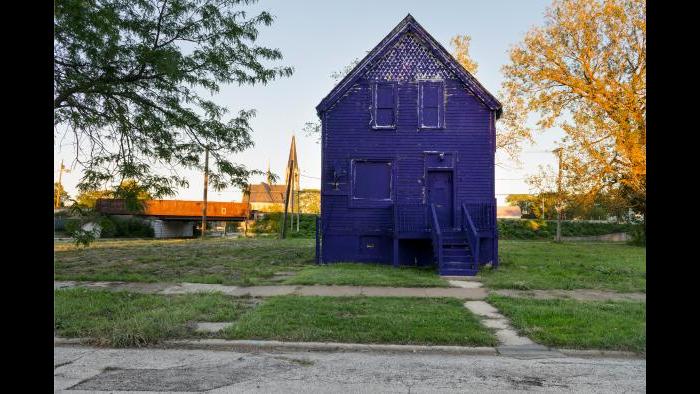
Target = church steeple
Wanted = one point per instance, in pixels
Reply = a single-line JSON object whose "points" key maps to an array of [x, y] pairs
{"points": [[293, 164], [269, 173]]}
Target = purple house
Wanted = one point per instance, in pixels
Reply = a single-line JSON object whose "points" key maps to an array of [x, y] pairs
{"points": [[408, 149]]}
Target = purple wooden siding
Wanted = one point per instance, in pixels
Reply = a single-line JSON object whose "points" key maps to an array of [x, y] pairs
{"points": [[347, 136], [436, 123]]}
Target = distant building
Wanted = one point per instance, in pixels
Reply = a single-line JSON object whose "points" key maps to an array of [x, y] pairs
{"points": [[268, 197], [508, 212], [265, 197]]}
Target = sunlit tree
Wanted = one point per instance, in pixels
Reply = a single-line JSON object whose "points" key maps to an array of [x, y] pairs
{"points": [[460, 50], [584, 70]]}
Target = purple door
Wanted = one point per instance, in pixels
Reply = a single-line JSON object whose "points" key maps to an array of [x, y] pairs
{"points": [[439, 192]]}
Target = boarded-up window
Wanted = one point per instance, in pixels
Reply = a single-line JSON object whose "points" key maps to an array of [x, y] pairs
{"points": [[371, 180], [384, 105], [431, 104]]}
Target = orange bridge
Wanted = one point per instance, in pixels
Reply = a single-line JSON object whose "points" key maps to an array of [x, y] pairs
{"points": [[177, 209]]}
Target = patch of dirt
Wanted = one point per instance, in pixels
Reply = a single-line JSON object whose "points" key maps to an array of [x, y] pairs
{"points": [[578, 294]]}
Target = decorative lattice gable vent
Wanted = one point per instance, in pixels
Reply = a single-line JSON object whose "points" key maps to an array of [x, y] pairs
{"points": [[408, 60]]}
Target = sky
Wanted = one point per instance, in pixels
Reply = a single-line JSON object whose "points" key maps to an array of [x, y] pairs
{"points": [[318, 38]]}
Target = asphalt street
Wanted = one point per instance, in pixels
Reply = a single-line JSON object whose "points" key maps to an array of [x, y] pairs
{"points": [[86, 369]]}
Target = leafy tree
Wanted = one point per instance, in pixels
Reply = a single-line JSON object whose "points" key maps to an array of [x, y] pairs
{"points": [[310, 201], [129, 190], [460, 43], [129, 83], [585, 71], [526, 202], [87, 199], [60, 194]]}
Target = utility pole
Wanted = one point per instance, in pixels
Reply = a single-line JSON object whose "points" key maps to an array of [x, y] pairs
{"points": [[298, 203], [542, 207], [291, 176], [558, 152], [286, 204], [59, 188], [206, 184]]}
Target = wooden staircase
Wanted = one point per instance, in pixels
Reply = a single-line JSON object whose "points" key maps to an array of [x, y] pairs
{"points": [[457, 256], [452, 248]]}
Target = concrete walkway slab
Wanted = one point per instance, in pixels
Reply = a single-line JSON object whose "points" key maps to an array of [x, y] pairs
{"points": [[464, 284], [578, 294], [329, 291], [498, 324], [393, 292], [211, 327], [266, 291], [63, 284], [509, 337], [464, 294], [192, 288], [482, 308], [270, 291], [491, 318]]}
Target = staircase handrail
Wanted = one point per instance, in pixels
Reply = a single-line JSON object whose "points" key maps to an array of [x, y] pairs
{"points": [[436, 234], [472, 234]]}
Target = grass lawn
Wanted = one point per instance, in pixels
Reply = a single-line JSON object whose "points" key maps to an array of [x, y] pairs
{"points": [[243, 262], [123, 319], [226, 261], [578, 324], [529, 265], [429, 321], [357, 274]]}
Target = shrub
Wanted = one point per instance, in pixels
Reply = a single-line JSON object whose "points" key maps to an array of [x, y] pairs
{"points": [[132, 228], [639, 235], [541, 229], [71, 225], [272, 221], [109, 229], [83, 237]]}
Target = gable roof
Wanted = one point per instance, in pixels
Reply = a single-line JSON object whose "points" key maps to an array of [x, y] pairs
{"points": [[267, 193], [409, 24]]}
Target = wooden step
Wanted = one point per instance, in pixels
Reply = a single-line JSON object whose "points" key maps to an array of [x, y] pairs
{"points": [[456, 252], [456, 264], [457, 269]]}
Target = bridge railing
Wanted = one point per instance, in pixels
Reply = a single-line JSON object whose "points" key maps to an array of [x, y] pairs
{"points": [[175, 208]]}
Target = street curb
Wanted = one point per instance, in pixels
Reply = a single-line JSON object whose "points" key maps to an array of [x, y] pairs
{"points": [[252, 345], [602, 354], [256, 345], [70, 341], [248, 345]]}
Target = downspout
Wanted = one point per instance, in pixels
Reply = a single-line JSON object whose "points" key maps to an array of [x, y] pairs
{"points": [[494, 252]]}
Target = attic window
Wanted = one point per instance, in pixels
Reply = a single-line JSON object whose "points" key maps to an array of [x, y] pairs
{"points": [[384, 98], [431, 96]]}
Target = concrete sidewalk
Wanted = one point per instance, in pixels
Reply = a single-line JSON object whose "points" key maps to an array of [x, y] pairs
{"points": [[472, 292]]}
